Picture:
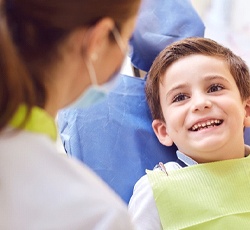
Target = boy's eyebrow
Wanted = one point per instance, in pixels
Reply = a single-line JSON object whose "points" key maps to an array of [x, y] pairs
{"points": [[177, 87], [212, 77], [184, 85]]}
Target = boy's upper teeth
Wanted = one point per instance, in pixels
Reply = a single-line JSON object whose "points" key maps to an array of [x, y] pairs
{"points": [[206, 124]]}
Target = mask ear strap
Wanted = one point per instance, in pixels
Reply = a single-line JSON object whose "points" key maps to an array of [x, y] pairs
{"points": [[91, 71], [119, 41]]}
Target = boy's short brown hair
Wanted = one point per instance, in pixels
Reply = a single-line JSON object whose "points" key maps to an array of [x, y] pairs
{"points": [[187, 47]]}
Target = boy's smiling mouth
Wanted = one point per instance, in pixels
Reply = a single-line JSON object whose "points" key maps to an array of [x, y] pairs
{"points": [[206, 124]]}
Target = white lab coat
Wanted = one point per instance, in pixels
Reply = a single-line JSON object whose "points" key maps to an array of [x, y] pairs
{"points": [[40, 189]]}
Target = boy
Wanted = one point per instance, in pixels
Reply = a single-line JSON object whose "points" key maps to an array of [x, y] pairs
{"points": [[199, 95]]}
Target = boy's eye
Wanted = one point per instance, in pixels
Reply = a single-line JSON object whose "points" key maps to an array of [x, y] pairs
{"points": [[180, 97], [215, 87]]}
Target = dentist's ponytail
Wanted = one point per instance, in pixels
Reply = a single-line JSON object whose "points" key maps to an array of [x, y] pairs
{"points": [[15, 85]]}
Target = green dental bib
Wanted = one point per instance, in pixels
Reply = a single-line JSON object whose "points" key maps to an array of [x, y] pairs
{"points": [[205, 196]]}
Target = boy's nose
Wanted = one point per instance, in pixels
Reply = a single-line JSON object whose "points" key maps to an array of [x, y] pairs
{"points": [[200, 103]]}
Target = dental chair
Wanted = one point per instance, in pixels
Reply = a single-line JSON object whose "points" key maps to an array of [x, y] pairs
{"points": [[114, 137], [247, 136]]}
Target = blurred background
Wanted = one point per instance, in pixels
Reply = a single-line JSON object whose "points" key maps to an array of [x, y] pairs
{"points": [[227, 22]]}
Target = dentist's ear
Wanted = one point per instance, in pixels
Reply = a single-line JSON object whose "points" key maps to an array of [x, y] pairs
{"points": [[247, 116], [96, 38], [160, 130]]}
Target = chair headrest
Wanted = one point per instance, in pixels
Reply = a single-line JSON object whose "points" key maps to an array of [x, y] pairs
{"points": [[159, 23]]}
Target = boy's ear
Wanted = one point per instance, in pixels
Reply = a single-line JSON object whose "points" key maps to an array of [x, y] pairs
{"points": [[247, 116], [160, 130]]}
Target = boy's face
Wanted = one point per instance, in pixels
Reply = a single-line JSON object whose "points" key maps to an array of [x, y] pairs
{"points": [[203, 111]]}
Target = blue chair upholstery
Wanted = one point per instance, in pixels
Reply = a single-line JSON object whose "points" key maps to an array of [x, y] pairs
{"points": [[115, 137], [247, 136], [162, 22]]}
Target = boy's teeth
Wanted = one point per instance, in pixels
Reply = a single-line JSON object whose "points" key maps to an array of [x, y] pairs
{"points": [[206, 124]]}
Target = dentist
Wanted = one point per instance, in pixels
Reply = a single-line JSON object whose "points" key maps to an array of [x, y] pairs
{"points": [[50, 53]]}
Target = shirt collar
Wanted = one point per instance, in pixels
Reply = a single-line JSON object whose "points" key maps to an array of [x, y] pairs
{"points": [[39, 121], [185, 159], [189, 161]]}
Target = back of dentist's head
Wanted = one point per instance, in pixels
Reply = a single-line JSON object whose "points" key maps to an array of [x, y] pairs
{"points": [[32, 33]]}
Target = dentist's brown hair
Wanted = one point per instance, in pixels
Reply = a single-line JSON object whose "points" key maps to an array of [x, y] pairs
{"points": [[31, 32]]}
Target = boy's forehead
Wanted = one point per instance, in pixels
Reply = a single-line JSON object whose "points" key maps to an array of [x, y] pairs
{"points": [[195, 65], [195, 60]]}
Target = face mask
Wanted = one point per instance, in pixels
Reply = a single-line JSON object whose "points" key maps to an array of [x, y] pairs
{"points": [[96, 93]]}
